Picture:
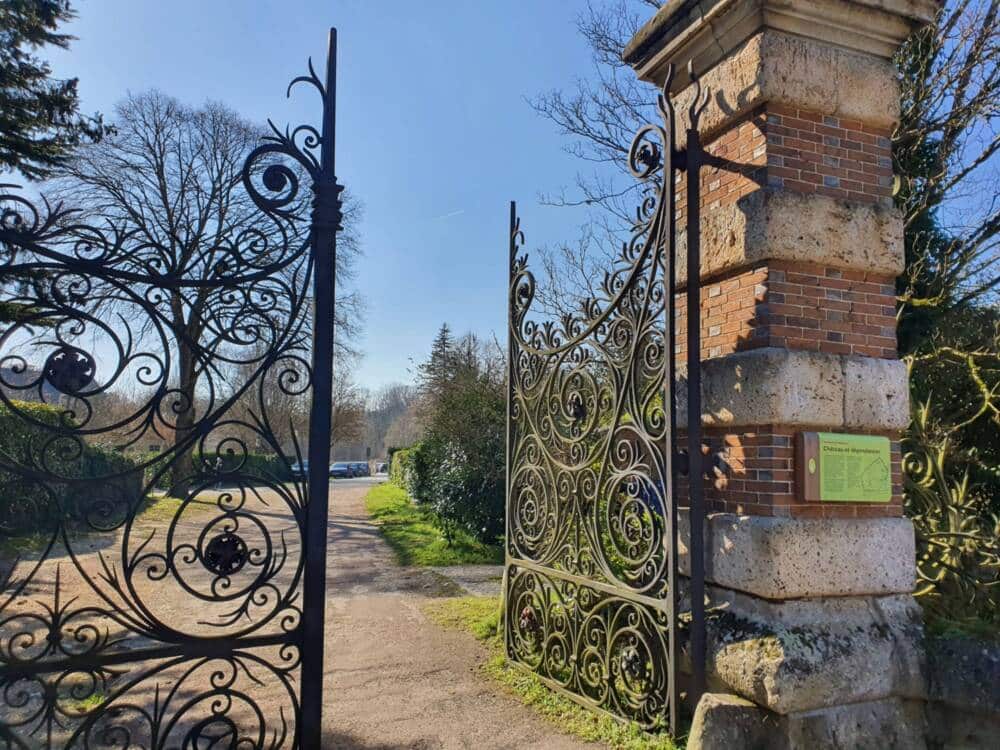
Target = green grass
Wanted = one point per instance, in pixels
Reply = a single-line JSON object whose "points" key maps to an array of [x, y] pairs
{"points": [[164, 508], [88, 704], [410, 531], [480, 615]]}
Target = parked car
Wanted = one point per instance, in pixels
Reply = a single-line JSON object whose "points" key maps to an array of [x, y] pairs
{"points": [[382, 468], [342, 469], [361, 469], [300, 469]]}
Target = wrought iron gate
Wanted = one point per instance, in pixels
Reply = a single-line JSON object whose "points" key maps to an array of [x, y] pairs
{"points": [[197, 621], [593, 602]]}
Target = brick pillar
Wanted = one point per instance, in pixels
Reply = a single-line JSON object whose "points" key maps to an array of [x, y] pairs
{"points": [[801, 244]]}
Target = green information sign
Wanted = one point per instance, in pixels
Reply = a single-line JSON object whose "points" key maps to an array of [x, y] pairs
{"points": [[853, 468]]}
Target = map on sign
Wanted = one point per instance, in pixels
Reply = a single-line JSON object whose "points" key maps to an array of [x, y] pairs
{"points": [[854, 468]]}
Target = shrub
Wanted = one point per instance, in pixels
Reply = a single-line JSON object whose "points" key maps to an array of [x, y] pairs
{"points": [[469, 493], [400, 465], [421, 474], [29, 503], [458, 469]]}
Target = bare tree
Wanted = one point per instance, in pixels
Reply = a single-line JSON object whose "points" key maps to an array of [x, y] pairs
{"points": [[348, 421], [946, 153], [945, 149], [406, 429], [599, 116], [169, 178], [384, 406]]}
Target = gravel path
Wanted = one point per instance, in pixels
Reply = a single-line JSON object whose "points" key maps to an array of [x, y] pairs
{"points": [[395, 679]]}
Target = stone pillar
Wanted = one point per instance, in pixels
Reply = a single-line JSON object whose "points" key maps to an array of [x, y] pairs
{"points": [[813, 616]]}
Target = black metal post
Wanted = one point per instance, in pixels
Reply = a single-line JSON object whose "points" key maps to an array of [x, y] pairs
{"points": [[512, 240], [693, 159], [326, 221], [669, 200]]}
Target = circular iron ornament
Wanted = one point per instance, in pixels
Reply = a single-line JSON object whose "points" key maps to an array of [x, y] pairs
{"points": [[70, 370], [225, 554]]}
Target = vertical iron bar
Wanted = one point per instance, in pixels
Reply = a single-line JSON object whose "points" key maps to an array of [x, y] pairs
{"points": [[511, 251], [693, 159], [669, 402], [326, 222]]}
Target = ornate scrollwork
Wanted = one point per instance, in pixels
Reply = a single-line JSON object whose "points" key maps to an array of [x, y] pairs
{"points": [[588, 488], [219, 566]]}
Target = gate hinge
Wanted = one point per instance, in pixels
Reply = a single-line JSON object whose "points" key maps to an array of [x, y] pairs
{"points": [[681, 463]]}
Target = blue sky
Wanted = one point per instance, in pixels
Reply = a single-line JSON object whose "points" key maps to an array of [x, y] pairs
{"points": [[434, 133]]}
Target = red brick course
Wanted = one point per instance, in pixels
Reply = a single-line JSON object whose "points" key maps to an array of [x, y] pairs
{"points": [[796, 150], [812, 153], [794, 306]]}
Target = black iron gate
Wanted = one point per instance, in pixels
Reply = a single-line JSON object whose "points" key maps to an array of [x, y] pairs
{"points": [[139, 609], [593, 602]]}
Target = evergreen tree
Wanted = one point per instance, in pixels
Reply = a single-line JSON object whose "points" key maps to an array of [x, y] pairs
{"points": [[436, 372], [39, 116]]}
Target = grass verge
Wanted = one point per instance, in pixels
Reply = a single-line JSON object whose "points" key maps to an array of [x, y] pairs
{"points": [[410, 531], [480, 615]]}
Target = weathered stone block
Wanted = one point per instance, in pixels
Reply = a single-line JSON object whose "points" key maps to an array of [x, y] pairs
{"points": [[723, 722], [788, 558], [878, 394], [772, 386], [828, 56], [802, 655], [782, 225], [963, 685], [794, 71], [886, 725]]}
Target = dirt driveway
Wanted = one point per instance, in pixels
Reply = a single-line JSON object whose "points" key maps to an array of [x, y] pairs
{"points": [[394, 679]]}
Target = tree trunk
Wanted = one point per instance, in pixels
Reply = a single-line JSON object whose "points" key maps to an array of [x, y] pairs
{"points": [[183, 466]]}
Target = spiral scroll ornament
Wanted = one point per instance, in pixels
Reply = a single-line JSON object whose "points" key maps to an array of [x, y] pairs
{"points": [[591, 547], [137, 609]]}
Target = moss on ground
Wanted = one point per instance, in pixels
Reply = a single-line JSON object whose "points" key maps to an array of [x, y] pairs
{"points": [[410, 531], [480, 615]]}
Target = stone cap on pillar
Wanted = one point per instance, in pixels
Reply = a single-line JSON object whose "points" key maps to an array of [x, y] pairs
{"points": [[706, 31]]}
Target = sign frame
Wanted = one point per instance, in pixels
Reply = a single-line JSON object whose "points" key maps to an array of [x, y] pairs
{"points": [[843, 468]]}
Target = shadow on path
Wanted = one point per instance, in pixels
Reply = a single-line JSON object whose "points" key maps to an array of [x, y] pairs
{"points": [[393, 678]]}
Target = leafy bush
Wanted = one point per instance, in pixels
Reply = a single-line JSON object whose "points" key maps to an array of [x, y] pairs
{"points": [[400, 465], [422, 473], [458, 468], [29, 503], [468, 491]]}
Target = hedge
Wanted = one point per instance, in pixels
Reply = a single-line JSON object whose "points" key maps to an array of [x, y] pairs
{"points": [[401, 464], [464, 490], [28, 504], [267, 466]]}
